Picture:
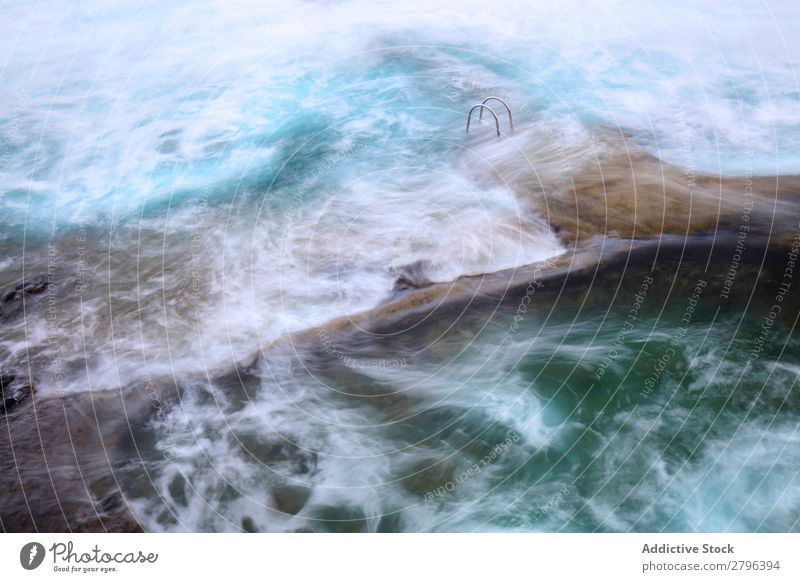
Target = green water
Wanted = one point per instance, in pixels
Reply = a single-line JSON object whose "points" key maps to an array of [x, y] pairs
{"points": [[641, 407]]}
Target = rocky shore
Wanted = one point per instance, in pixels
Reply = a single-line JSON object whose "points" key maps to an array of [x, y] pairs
{"points": [[622, 218]]}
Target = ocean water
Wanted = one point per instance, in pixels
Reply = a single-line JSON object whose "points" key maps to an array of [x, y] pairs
{"points": [[199, 179]]}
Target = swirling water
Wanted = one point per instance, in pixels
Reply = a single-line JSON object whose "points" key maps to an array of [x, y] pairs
{"points": [[199, 179]]}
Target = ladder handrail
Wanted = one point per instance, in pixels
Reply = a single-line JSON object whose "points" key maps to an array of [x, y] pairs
{"points": [[482, 107], [508, 109]]}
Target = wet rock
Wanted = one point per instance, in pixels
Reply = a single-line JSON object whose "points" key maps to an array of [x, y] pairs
{"points": [[14, 390], [340, 519], [290, 498], [111, 503], [229, 492], [166, 518], [29, 287], [359, 387], [390, 523], [119, 521], [239, 387], [12, 302], [63, 476], [177, 489], [269, 452], [411, 276], [426, 476], [305, 463]]}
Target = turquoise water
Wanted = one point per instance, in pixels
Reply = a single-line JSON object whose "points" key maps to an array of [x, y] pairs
{"points": [[579, 419], [112, 108], [215, 175]]}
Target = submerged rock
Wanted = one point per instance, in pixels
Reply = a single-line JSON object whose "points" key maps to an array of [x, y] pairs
{"points": [[12, 302], [340, 519], [411, 276], [13, 392], [177, 490], [272, 452], [29, 287], [62, 456], [615, 188], [428, 475], [290, 498], [390, 523]]}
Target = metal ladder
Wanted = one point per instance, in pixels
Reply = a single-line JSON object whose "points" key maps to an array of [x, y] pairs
{"points": [[481, 106]]}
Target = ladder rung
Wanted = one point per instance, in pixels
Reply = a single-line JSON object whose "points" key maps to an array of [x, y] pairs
{"points": [[482, 107]]}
